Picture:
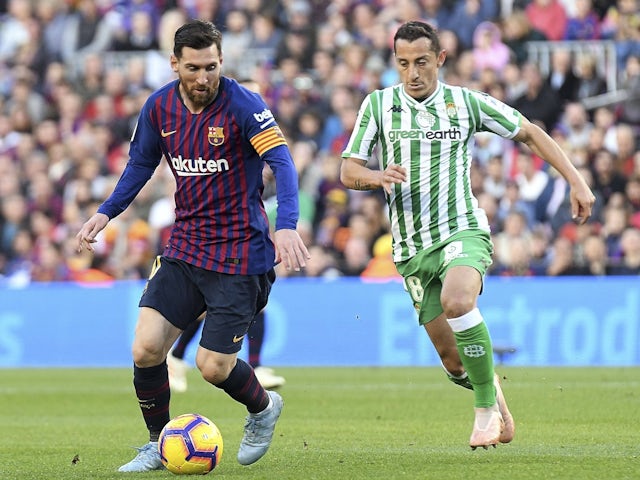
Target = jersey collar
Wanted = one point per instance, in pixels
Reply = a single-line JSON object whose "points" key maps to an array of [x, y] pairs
{"points": [[415, 103]]}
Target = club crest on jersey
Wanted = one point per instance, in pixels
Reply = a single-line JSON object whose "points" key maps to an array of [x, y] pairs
{"points": [[452, 110], [215, 135], [425, 120]]}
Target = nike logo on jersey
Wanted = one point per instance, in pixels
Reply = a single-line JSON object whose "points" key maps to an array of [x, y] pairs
{"points": [[166, 134], [237, 339]]}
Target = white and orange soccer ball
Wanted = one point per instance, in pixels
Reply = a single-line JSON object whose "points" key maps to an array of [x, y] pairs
{"points": [[190, 444]]}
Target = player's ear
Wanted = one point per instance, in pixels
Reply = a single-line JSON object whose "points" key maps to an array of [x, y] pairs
{"points": [[174, 62], [442, 56]]}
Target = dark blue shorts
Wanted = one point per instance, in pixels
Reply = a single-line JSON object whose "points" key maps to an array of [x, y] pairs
{"points": [[181, 292]]}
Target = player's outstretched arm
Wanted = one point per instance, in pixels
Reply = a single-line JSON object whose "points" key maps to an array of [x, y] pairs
{"points": [[87, 234], [290, 249], [355, 175], [581, 196]]}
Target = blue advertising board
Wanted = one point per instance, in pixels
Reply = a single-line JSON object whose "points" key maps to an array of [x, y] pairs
{"points": [[570, 321]]}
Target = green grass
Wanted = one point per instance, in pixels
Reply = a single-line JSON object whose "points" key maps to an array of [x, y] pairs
{"points": [[338, 423]]}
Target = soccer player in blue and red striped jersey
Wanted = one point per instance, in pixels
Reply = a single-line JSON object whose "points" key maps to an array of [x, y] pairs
{"points": [[216, 136]]}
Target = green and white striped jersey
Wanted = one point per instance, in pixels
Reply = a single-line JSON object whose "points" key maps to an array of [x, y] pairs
{"points": [[434, 141]]}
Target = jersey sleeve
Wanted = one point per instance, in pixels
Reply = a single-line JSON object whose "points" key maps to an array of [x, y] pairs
{"points": [[288, 210], [365, 133], [496, 116], [144, 156], [268, 141]]}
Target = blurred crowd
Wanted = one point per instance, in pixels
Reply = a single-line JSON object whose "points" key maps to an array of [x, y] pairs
{"points": [[74, 74]]}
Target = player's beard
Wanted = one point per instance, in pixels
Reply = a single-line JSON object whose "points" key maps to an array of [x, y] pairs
{"points": [[202, 96]]}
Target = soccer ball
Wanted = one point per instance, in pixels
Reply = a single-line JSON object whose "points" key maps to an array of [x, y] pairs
{"points": [[190, 444]]}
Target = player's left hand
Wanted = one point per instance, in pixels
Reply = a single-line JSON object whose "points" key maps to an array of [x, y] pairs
{"points": [[582, 200], [290, 249], [87, 234]]}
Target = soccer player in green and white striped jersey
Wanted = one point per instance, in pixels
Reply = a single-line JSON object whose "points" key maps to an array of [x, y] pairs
{"points": [[423, 130]]}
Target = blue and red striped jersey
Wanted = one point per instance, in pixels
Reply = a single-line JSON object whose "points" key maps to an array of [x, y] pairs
{"points": [[216, 157]]}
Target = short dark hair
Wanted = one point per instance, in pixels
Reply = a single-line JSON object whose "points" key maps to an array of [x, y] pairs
{"points": [[196, 34], [413, 30]]}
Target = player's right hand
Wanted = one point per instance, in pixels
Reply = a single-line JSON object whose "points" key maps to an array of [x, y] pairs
{"points": [[87, 234], [582, 200], [394, 173]]}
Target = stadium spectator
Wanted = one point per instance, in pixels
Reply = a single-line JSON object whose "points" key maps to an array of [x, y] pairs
{"points": [[465, 17], [626, 145], [539, 102], [265, 39], [24, 96], [549, 17], [621, 23], [489, 52], [51, 15], [489, 204], [157, 71], [19, 262], [514, 84], [575, 122], [590, 81], [607, 180], [629, 264], [539, 244], [355, 256], [630, 244], [15, 212], [296, 45], [15, 29], [562, 259], [561, 77], [632, 195], [49, 266], [464, 71], [437, 13], [584, 24], [629, 110], [515, 225], [615, 222], [531, 182], [451, 43], [512, 202], [594, 252], [322, 263], [517, 33], [138, 33], [381, 265], [87, 31], [519, 261], [237, 38]]}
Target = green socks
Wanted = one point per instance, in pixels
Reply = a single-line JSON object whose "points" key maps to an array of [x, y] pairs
{"points": [[474, 346]]}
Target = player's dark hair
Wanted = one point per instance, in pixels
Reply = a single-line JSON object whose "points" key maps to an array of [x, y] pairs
{"points": [[196, 34], [414, 30]]}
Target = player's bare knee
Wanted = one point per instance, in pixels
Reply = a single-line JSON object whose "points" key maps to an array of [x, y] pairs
{"points": [[147, 355], [455, 306], [214, 374], [215, 369]]}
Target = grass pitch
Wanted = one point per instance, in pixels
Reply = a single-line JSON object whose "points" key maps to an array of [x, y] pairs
{"points": [[338, 423]]}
